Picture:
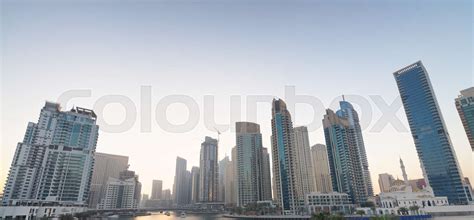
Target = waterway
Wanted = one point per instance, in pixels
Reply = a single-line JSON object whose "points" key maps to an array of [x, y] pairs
{"points": [[190, 216]]}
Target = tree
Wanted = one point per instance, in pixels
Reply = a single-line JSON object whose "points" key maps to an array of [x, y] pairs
{"points": [[360, 212], [403, 211], [414, 209], [367, 204], [66, 217]]}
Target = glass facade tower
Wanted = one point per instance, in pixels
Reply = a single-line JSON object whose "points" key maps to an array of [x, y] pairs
{"points": [[435, 151], [284, 158], [348, 111], [465, 106], [345, 165]]}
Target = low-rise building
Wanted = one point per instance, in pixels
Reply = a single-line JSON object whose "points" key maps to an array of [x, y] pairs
{"points": [[39, 209], [332, 202]]}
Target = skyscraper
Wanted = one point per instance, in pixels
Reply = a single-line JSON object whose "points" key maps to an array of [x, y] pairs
{"points": [[349, 112], [119, 194], [321, 174], [266, 176], [180, 196], [55, 160], [195, 184], [250, 174], [229, 181], [208, 171], [347, 174], [156, 189], [123, 192], [233, 198], [105, 166], [222, 175], [284, 158], [465, 106], [303, 162], [129, 174], [437, 157]]}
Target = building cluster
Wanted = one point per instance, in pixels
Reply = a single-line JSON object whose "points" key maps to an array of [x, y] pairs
{"points": [[56, 164]]}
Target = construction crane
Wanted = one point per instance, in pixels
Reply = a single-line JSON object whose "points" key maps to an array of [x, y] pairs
{"points": [[218, 135]]}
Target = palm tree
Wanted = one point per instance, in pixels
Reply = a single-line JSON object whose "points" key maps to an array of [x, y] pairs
{"points": [[360, 212], [414, 209], [403, 211]]}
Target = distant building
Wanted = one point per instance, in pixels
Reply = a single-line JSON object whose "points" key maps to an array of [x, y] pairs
{"points": [[266, 178], [303, 162], [144, 200], [167, 195], [105, 166], [465, 106], [119, 194], [129, 174], [222, 175], [429, 132], [195, 185], [60, 143], [156, 189], [180, 191], [385, 182], [332, 202], [321, 172], [284, 159], [231, 180], [249, 164], [209, 171]]}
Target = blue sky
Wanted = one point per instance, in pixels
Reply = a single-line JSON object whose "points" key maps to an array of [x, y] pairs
{"points": [[224, 48]]}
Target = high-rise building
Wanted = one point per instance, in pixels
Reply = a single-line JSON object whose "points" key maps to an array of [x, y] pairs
{"points": [[129, 174], [465, 106], [348, 111], [167, 195], [119, 194], [195, 184], [266, 176], [180, 194], [156, 189], [284, 159], [222, 175], [105, 166], [347, 174], [232, 197], [123, 192], [54, 163], [321, 174], [303, 162], [229, 181], [208, 171], [188, 186], [385, 182], [145, 198], [250, 173], [437, 157]]}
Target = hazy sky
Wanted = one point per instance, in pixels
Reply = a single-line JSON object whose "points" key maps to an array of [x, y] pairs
{"points": [[230, 48]]}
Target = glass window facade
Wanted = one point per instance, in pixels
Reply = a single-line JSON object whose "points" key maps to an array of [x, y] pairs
{"points": [[435, 151]]}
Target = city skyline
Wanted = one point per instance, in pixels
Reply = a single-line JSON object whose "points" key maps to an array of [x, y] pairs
{"points": [[257, 63]]}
